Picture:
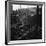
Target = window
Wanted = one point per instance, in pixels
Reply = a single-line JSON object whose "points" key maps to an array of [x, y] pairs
{"points": [[25, 22]]}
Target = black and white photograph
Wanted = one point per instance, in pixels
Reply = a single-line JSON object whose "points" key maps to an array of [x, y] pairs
{"points": [[25, 22]]}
